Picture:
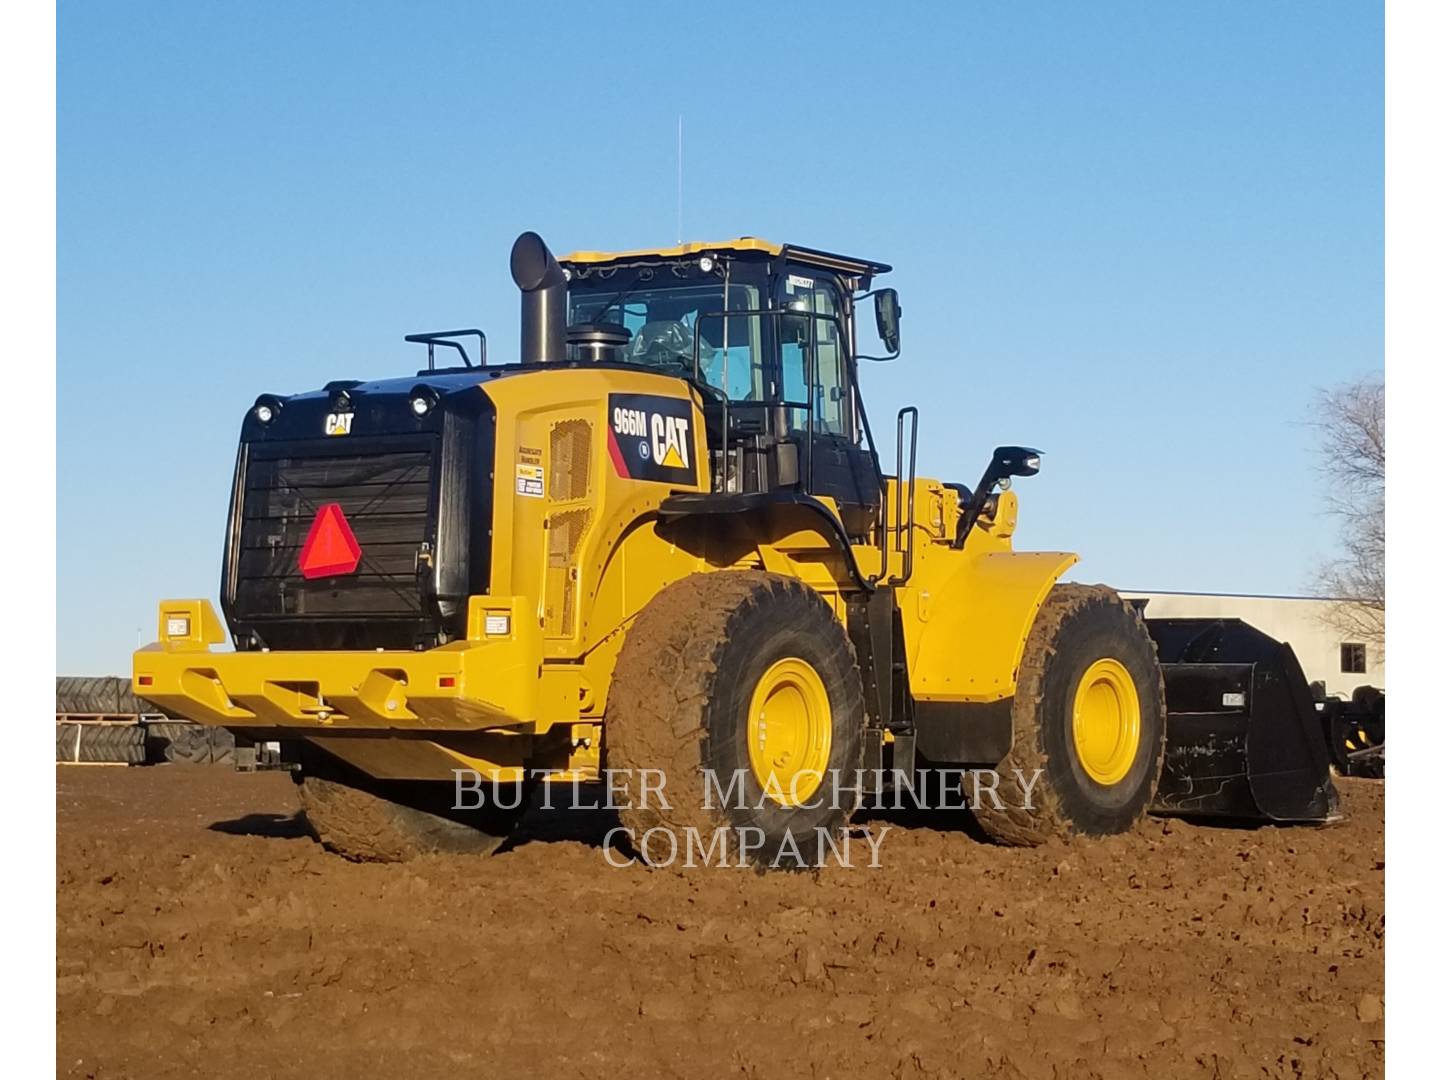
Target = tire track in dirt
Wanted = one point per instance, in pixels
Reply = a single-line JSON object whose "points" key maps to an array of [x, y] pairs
{"points": [[200, 932]]}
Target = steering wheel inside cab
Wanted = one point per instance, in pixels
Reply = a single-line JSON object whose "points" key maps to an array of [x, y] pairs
{"points": [[661, 343]]}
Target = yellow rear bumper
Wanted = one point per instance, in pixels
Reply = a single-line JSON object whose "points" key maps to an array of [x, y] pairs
{"points": [[485, 681]]}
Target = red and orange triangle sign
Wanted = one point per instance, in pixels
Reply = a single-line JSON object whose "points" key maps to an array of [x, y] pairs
{"points": [[331, 547]]}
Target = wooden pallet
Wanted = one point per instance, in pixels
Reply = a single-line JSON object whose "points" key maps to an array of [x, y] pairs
{"points": [[111, 764]]}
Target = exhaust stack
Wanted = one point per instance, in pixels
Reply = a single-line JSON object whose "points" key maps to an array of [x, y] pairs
{"points": [[542, 300]]}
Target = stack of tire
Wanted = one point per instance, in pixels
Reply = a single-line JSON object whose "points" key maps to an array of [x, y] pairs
{"points": [[98, 696], [97, 721], [96, 744], [101, 720]]}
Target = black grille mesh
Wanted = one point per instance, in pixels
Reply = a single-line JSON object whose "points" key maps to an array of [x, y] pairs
{"points": [[385, 496]]}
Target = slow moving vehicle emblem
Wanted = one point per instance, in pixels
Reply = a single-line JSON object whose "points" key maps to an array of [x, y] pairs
{"points": [[330, 547]]}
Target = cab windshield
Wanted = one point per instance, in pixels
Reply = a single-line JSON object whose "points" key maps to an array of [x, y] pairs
{"points": [[661, 309]]}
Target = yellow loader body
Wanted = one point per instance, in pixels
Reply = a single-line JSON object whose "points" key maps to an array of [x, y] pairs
{"points": [[572, 565], [586, 465]]}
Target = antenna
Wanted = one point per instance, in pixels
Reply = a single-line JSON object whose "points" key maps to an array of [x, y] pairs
{"points": [[680, 179]]}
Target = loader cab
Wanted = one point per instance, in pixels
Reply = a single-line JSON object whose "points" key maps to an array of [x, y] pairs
{"points": [[765, 333]]}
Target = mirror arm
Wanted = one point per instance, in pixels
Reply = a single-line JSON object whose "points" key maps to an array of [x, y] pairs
{"points": [[978, 499]]}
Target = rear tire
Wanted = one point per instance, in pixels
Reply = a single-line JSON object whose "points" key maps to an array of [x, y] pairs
{"points": [[369, 820], [1089, 715], [722, 671]]}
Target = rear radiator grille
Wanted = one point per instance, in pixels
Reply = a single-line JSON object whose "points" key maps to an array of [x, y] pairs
{"points": [[386, 498]]}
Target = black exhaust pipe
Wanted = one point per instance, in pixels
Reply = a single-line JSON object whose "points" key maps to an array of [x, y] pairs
{"points": [[542, 300]]}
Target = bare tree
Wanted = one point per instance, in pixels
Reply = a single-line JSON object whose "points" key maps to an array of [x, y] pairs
{"points": [[1350, 420]]}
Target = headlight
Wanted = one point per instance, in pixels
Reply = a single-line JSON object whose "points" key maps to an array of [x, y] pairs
{"points": [[423, 400], [267, 407]]}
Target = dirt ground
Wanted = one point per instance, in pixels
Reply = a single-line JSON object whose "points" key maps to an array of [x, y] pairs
{"points": [[202, 933]]}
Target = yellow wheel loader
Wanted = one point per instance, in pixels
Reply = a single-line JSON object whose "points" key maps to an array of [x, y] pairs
{"points": [[661, 546]]}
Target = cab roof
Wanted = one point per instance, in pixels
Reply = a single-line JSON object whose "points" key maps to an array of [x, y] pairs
{"points": [[826, 260]]}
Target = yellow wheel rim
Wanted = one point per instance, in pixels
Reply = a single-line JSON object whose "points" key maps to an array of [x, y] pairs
{"points": [[788, 732], [1107, 721]]}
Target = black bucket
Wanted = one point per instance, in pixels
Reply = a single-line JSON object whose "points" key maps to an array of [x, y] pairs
{"points": [[1243, 738]]}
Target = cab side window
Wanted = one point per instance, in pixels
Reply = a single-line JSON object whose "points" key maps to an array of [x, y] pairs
{"points": [[817, 342]]}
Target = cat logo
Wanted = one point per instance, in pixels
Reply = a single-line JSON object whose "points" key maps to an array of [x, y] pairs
{"points": [[338, 423], [651, 437], [668, 440]]}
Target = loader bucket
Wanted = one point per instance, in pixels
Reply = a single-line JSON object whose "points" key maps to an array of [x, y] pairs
{"points": [[1243, 738]]}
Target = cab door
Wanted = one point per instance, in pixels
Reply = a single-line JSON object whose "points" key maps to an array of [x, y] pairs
{"points": [[842, 468]]}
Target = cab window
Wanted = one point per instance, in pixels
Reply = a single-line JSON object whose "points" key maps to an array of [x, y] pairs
{"points": [[816, 341], [663, 314]]}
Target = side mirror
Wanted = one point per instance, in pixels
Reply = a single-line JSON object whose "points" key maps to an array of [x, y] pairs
{"points": [[1008, 461], [1005, 462], [887, 318]]}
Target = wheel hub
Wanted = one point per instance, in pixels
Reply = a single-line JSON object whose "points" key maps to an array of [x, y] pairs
{"points": [[1107, 721], [788, 731]]}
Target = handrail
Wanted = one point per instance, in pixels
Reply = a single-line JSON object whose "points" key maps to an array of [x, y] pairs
{"points": [[432, 338], [909, 563]]}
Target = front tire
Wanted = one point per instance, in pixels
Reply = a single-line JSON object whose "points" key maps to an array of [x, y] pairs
{"points": [[746, 678], [1088, 724]]}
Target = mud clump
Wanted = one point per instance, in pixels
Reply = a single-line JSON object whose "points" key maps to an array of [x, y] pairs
{"points": [[200, 931]]}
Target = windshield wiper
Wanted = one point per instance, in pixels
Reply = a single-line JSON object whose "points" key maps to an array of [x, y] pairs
{"points": [[619, 297]]}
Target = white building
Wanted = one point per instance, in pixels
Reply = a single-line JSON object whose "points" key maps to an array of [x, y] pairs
{"points": [[1325, 656]]}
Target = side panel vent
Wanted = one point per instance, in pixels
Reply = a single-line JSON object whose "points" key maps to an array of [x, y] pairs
{"points": [[570, 460], [570, 447], [567, 530]]}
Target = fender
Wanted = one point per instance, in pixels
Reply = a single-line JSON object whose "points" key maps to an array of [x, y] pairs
{"points": [[760, 503], [964, 639]]}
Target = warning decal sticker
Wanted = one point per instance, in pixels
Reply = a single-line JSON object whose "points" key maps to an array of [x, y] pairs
{"points": [[650, 438], [529, 480]]}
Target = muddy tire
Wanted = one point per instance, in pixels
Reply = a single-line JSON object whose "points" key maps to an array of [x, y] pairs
{"points": [[368, 820], [1089, 714], [703, 666]]}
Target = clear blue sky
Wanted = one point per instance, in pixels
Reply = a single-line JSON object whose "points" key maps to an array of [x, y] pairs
{"points": [[1135, 234]]}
